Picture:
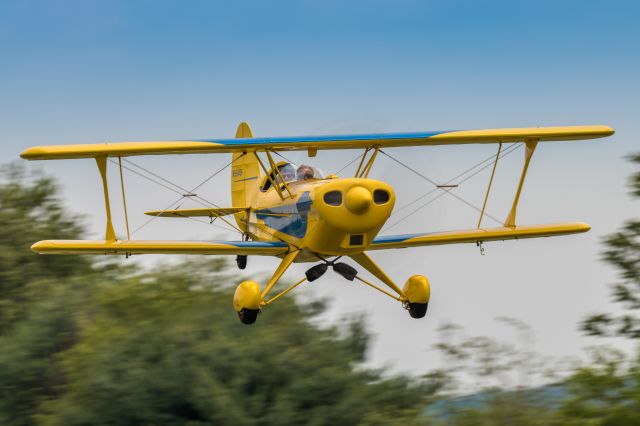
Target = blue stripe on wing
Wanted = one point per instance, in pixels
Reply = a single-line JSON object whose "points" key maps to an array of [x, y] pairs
{"points": [[394, 238], [328, 138], [255, 244]]}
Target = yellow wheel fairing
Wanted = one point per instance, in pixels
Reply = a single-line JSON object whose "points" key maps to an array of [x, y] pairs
{"points": [[417, 289], [247, 296]]}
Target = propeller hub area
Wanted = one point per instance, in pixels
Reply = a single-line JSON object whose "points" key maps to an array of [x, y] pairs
{"points": [[358, 200]]}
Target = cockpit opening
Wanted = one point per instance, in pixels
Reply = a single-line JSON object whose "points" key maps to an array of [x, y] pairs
{"points": [[291, 173]]}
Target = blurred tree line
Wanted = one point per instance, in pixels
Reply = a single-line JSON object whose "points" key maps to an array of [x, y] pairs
{"points": [[88, 341]]}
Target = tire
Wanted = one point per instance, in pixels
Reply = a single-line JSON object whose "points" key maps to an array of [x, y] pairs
{"points": [[418, 310], [248, 316], [241, 261]]}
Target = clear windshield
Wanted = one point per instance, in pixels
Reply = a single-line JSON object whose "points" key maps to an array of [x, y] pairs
{"points": [[306, 172], [290, 172]]}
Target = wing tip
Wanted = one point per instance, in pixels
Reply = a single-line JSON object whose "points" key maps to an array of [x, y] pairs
{"points": [[582, 227], [32, 153]]}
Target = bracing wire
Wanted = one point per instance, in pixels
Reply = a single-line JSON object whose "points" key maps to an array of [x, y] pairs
{"points": [[196, 198], [183, 194], [283, 157], [508, 151], [446, 190], [339, 171], [350, 163]]}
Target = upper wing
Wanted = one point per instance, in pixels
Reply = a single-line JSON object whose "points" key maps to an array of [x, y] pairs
{"points": [[477, 235], [270, 248], [208, 212], [294, 143]]}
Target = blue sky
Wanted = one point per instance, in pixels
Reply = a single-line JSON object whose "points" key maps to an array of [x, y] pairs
{"points": [[95, 71]]}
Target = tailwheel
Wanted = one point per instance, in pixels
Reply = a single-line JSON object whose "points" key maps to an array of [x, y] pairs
{"points": [[248, 316], [241, 261]]}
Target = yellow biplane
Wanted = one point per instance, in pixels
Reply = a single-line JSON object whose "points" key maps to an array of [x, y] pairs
{"points": [[299, 215]]}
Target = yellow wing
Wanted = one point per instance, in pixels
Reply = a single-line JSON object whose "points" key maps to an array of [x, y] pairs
{"points": [[477, 235], [295, 143], [207, 212], [271, 248]]}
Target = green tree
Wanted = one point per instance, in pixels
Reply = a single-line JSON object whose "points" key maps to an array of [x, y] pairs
{"points": [[490, 382], [30, 211], [165, 348], [622, 250], [35, 297], [606, 392], [86, 344]]}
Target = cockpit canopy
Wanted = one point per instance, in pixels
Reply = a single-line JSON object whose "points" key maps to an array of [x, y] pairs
{"points": [[291, 172]]}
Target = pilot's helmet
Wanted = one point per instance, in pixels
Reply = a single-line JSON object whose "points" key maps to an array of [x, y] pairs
{"points": [[305, 172], [287, 171]]}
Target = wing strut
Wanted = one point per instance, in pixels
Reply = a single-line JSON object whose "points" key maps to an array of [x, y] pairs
{"points": [[102, 167], [276, 173], [530, 147], [493, 172], [124, 199], [364, 172]]}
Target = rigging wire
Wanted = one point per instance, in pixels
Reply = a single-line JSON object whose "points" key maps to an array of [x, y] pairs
{"points": [[447, 190], [283, 157], [185, 191], [350, 163], [183, 195], [339, 171], [508, 151], [196, 198]]}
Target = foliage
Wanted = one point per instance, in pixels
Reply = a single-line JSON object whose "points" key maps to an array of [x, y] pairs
{"points": [[89, 344], [30, 211], [496, 377], [607, 392], [86, 343], [622, 250]]}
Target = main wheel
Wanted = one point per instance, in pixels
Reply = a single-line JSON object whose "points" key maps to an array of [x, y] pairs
{"points": [[418, 310], [241, 260], [248, 316]]}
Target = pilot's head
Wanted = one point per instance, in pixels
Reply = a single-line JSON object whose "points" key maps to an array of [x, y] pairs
{"points": [[288, 172], [304, 172]]}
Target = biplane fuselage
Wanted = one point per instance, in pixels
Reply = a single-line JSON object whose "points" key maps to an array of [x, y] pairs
{"points": [[299, 215], [327, 217]]}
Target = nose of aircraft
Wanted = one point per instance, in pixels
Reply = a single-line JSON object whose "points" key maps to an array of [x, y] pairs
{"points": [[358, 200]]}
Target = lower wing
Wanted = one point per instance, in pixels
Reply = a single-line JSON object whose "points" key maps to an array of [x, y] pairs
{"points": [[207, 212], [126, 247], [477, 235]]}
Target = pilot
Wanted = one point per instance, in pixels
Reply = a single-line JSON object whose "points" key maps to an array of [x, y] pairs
{"points": [[287, 172], [305, 172]]}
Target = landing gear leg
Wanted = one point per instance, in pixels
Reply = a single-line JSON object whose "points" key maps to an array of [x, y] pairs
{"points": [[248, 299], [241, 261], [414, 296]]}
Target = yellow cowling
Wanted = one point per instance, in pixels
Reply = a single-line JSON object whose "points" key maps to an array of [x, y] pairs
{"points": [[247, 296], [417, 289]]}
